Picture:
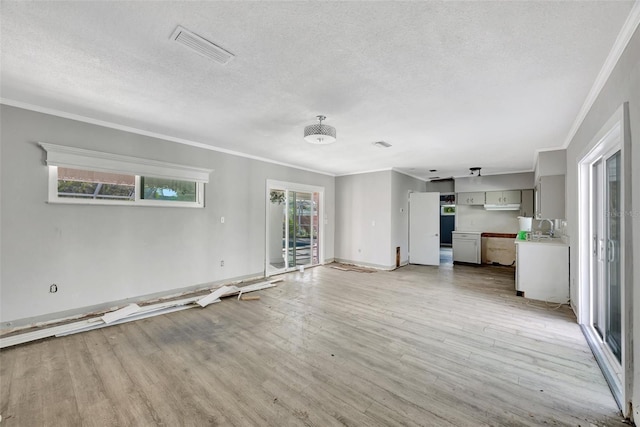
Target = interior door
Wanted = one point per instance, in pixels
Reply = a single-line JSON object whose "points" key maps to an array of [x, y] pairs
{"points": [[424, 228]]}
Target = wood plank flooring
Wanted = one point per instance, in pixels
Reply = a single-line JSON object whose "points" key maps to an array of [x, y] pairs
{"points": [[419, 346]]}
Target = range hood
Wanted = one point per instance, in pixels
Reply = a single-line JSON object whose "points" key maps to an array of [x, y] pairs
{"points": [[503, 207]]}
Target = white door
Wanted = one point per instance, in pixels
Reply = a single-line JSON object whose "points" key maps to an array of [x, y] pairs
{"points": [[424, 228]]}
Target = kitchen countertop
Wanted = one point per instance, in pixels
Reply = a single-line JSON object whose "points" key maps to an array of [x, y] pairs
{"points": [[467, 232], [555, 241], [500, 235]]}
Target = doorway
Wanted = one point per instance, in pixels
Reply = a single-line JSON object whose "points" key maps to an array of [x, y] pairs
{"points": [[447, 226], [294, 232]]}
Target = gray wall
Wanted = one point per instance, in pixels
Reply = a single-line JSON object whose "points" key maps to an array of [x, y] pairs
{"points": [[98, 255], [369, 221], [440, 186], [401, 185], [623, 85], [477, 218], [511, 181], [363, 219], [551, 163]]}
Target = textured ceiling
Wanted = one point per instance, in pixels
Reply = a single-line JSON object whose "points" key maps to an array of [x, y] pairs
{"points": [[449, 84]]}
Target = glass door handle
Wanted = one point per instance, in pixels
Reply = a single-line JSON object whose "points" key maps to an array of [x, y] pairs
{"points": [[611, 247]]}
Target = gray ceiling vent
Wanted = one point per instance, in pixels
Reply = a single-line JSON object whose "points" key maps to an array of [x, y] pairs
{"points": [[382, 144], [201, 46]]}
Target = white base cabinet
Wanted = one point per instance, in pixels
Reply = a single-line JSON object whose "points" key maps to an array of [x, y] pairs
{"points": [[466, 247], [542, 270]]}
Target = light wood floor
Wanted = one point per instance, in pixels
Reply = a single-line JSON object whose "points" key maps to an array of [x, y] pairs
{"points": [[448, 346]]}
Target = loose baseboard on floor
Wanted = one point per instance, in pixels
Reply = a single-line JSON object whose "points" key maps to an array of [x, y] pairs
{"points": [[120, 314], [347, 267], [134, 312], [215, 295]]}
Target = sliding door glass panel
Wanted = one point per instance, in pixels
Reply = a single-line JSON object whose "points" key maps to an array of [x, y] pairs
{"points": [[300, 229], [597, 240], [613, 215], [315, 230]]}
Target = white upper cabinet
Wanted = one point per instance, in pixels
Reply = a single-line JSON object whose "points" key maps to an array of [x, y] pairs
{"points": [[472, 198], [550, 184], [507, 197], [550, 197], [526, 205]]}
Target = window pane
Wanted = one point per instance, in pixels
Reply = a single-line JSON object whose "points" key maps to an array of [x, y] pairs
{"points": [[75, 183], [168, 189]]}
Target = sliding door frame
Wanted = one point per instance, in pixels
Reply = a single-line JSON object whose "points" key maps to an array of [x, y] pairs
{"points": [[300, 188], [613, 136]]}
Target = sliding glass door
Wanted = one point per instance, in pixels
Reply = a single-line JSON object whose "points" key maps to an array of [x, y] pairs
{"points": [[605, 301], [293, 227]]}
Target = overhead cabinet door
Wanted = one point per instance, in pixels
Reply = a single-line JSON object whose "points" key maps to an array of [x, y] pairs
{"points": [[503, 197], [472, 198]]}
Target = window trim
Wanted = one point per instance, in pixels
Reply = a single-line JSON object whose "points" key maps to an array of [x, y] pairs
{"points": [[78, 158]]}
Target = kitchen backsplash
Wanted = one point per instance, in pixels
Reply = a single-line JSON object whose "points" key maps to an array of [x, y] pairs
{"points": [[476, 218]]}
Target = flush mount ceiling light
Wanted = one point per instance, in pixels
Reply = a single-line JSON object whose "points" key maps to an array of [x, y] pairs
{"points": [[474, 170], [320, 134]]}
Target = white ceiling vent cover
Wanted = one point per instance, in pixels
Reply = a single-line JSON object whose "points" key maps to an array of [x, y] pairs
{"points": [[201, 46], [382, 144]]}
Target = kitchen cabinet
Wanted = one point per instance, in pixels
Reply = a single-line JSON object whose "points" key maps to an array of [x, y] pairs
{"points": [[542, 270], [526, 205], [550, 197], [471, 198], [466, 247], [507, 197]]}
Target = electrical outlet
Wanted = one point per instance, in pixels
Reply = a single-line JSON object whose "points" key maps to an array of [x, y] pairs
{"points": [[221, 220], [222, 263]]}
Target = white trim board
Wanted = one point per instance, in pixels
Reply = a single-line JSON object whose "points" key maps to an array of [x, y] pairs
{"points": [[80, 158]]}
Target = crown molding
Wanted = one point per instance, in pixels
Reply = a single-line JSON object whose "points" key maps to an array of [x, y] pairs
{"points": [[131, 129], [624, 36], [363, 172]]}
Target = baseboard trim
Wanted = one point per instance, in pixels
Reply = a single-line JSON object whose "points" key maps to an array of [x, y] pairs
{"points": [[98, 309], [366, 264]]}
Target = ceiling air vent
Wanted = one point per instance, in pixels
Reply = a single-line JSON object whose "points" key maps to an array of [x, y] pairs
{"points": [[382, 144], [201, 46]]}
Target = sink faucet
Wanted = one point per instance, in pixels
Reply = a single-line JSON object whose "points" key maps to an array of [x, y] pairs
{"points": [[550, 225]]}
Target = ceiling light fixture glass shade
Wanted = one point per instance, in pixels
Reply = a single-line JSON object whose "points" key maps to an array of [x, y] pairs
{"points": [[320, 133]]}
